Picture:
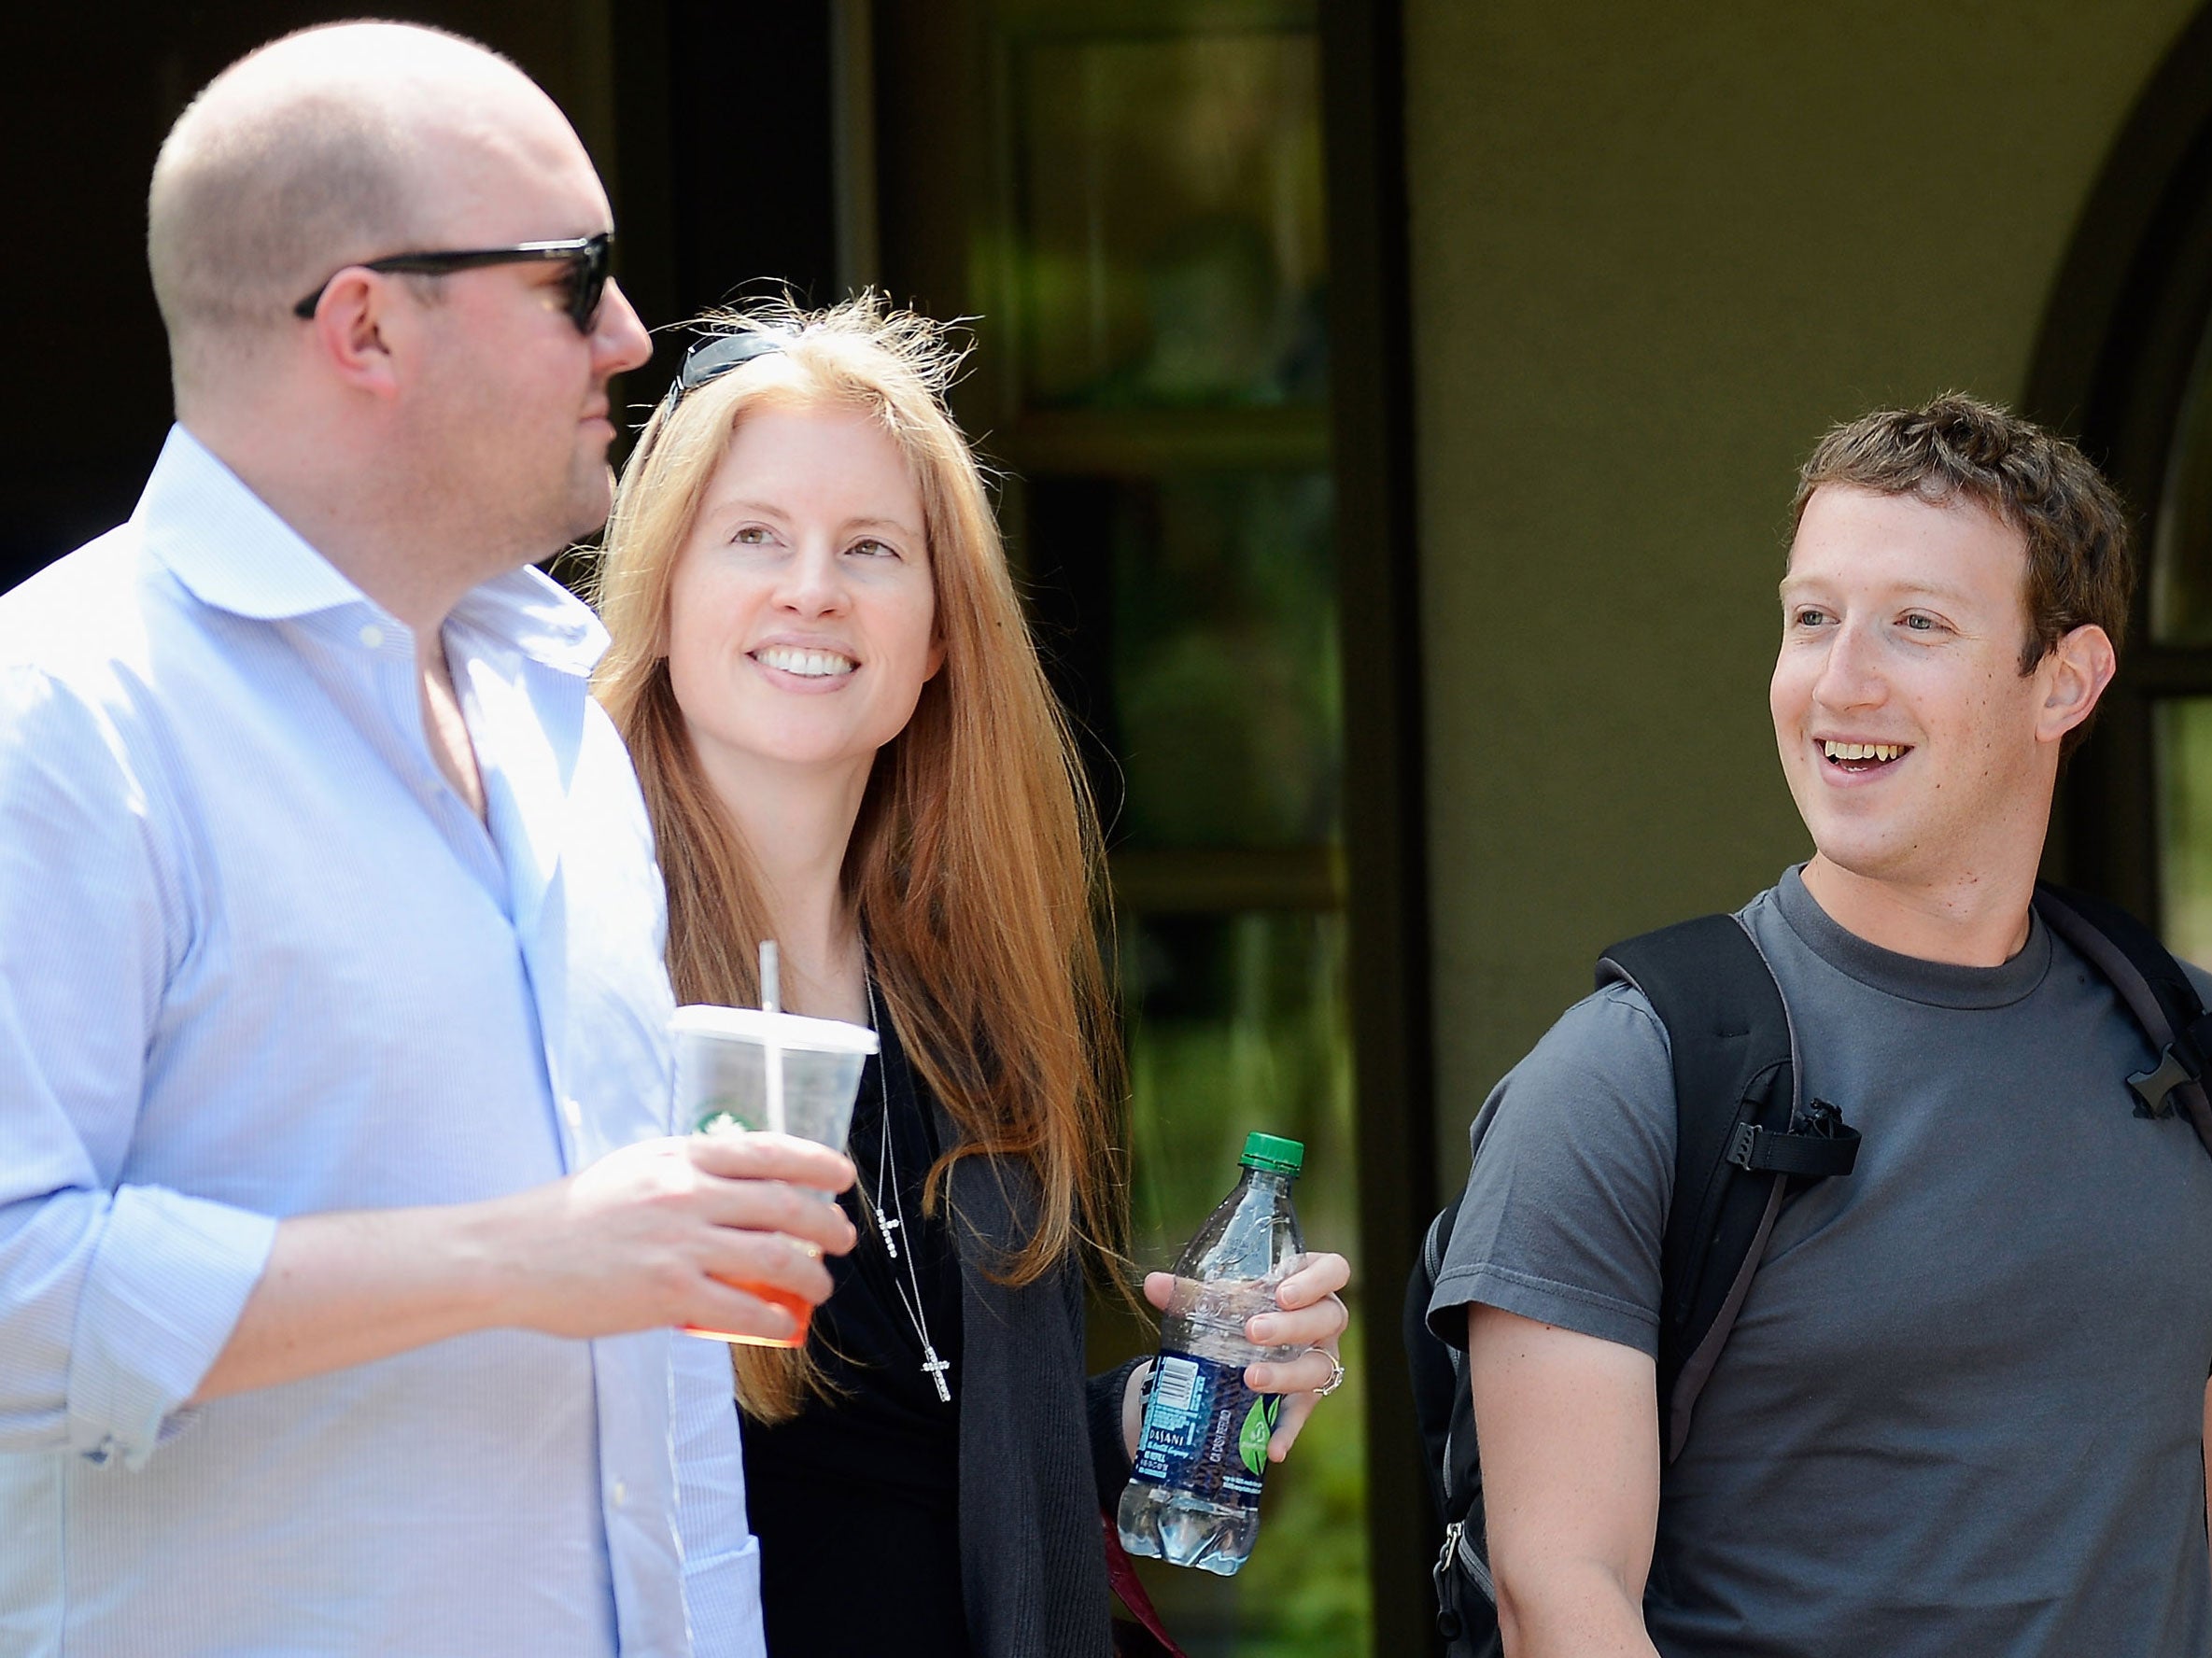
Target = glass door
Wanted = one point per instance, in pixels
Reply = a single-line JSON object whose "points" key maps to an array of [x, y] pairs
{"points": [[1143, 244]]}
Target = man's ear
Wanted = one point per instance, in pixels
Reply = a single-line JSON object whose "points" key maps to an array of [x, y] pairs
{"points": [[2073, 675], [351, 325]]}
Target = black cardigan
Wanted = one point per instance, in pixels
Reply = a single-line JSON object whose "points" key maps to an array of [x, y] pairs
{"points": [[1032, 1554]]}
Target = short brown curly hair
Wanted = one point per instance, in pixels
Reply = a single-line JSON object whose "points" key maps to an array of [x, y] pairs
{"points": [[2081, 565]]}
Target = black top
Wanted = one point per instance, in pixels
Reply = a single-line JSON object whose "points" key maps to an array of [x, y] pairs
{"points": [[856, 1502]]}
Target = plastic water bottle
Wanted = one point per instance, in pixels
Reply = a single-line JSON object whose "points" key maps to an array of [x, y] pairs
{"points": [[1195, 1497]]}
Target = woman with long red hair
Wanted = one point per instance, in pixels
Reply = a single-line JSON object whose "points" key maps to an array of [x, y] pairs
{"points": [[848, 745]]}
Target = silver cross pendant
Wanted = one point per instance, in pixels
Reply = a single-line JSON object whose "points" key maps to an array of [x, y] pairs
{"points": [[936, 1369], [885, 1225]]}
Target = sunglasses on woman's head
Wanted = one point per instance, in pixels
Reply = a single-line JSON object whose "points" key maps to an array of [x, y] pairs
{"points": [[588, 258], [712, 359]]}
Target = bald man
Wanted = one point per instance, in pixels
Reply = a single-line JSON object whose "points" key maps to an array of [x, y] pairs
{"points": [[342, 1232]]}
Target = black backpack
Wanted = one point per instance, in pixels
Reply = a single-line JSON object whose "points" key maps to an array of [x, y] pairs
{"points": [[1744, 1141]]}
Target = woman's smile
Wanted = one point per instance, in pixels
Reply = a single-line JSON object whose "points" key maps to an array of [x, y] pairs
{"points": [[822, 664]]}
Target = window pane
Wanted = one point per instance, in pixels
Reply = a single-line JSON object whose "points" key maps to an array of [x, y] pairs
{"points": [[1236, 1023], [1193, 621], [1170, 223], [2184, 736], [2181, 541]]}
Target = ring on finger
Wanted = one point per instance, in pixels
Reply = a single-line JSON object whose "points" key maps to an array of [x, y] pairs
{"points": [[1335, 1379]]}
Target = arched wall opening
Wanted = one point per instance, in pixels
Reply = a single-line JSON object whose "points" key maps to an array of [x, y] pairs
{"points": [[2124, 365]]}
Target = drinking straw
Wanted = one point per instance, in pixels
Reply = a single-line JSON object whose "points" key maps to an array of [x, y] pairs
{"points": [[772, 1001]]}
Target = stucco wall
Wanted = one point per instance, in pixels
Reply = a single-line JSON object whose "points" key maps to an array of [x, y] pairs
{"points": [[1657, 249]]}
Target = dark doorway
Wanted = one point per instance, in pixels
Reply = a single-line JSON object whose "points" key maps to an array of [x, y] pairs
{"points": [[710, 125]]}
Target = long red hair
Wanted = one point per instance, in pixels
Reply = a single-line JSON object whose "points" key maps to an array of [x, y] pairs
{"points": [[975, 868]]}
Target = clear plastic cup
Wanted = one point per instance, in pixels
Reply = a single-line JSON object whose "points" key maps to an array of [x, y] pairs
{"points": [[743, 1070]]}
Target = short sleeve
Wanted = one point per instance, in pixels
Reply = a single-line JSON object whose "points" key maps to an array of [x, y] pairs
{"points": [[1566, 1202], [2200, 980]]}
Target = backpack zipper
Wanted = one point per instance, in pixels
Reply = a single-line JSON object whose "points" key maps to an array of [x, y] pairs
{"points": [[1458, 1548]]}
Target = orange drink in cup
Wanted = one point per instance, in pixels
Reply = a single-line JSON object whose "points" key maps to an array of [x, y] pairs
{"points": [[799, 1310]]}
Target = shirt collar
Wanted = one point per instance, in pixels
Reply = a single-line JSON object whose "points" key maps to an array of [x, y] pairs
{"points": [[224, 544], [539, 616], [230, 551]]}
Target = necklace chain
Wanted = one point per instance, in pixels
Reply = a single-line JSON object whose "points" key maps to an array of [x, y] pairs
{"points": [[887, 1181]]}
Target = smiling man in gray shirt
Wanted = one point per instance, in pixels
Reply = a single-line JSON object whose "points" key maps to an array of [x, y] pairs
{"points": [[1963, 1409]]}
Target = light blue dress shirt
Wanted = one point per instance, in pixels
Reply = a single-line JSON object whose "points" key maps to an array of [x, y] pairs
{"points": [[257, 959]]}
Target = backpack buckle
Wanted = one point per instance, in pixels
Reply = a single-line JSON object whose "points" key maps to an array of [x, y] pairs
{"points": [[1825, 1146], [1743, 1145], [2154, 1089]]}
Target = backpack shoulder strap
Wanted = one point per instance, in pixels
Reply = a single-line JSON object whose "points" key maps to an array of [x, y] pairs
{"points": [[1437, 1366], [2157, 992], [1741, 1135]]}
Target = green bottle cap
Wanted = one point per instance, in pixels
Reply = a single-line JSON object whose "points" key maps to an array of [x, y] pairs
{"points": [[1273, 1153]]}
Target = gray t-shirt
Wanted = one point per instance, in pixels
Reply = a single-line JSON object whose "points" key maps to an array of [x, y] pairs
{"points": [[1961, 1409]]}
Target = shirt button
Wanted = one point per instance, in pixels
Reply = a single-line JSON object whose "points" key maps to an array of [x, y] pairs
{"points": [[621, 1493], [372, 634], [574, 1113]]}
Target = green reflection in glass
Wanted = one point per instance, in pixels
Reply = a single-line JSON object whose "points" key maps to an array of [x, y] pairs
{"points": [[1171, 235], [1236, 1023], [1227, 698], [2184, 737]]}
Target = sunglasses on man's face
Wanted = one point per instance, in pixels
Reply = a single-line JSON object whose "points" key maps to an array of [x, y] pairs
{"points": [[586, 258]]}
